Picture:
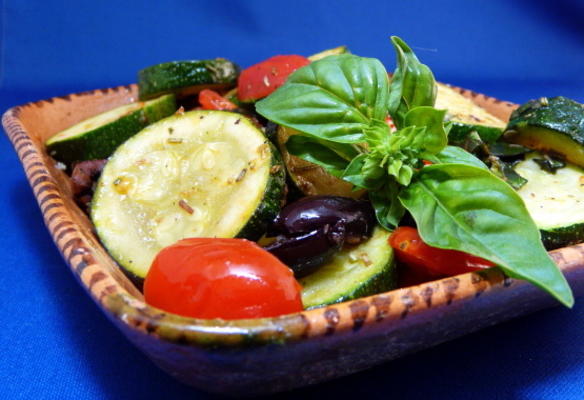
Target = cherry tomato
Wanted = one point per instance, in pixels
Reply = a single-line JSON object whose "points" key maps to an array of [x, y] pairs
{"points": [[211, 100], [431, 262], [261, 79], [390, 123], [221, 278]]}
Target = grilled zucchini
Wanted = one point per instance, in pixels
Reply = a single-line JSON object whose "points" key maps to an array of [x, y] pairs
{"points": [[465, 117], [200, 174], [550, 125], [99, 136], [555, 201], [354, 272]]}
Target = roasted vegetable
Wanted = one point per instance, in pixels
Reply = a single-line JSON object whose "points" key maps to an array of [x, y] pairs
{"points": [[310, 230], [555, 201], [550, 125], [200, 174], [99, 136], [355, 271], [186, 78], [466, 117]]}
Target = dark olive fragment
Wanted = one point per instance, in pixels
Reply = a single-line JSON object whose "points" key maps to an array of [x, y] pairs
{"points": [[313, 212], [310, 230], [306, 252]]}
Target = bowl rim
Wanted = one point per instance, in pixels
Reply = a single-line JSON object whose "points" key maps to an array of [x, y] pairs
{"points": [[126, 306]]}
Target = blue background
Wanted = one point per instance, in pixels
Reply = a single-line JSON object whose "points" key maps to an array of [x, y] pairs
{"points": [[55, 343]]}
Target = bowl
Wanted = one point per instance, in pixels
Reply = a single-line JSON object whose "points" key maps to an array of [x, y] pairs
{"points": [[260, 356]]}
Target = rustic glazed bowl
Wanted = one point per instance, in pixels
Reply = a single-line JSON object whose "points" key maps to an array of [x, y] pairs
{"points": [[257, 356]]}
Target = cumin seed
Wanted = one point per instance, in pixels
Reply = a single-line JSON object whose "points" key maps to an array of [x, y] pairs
{"points": [[185, 206], [241, 175]]}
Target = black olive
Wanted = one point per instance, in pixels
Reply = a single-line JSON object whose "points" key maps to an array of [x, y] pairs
{"points": [[311, 230], [313, 212]]}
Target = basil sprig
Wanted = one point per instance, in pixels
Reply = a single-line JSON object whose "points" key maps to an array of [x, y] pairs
{"points": [[339, 105]]}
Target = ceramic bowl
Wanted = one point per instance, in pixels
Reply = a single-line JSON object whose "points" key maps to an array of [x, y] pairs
{"points": [[248, 357]]}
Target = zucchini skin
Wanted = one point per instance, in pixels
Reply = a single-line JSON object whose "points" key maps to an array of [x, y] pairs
{"points": [[554, 125], [563, 236], [186, 77], [101, 142], [346, 280], [459, 131], [379, 283], [270, 205]]}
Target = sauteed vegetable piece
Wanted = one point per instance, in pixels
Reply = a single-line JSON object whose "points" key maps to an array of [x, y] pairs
{"points": [[221, 278], [310, 230], [431, 261], [263, 78]]}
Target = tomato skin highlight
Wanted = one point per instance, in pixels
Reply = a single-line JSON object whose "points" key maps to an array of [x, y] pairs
{"points": [[260, 80], [431, 262], [211, 100], [221, 278]]}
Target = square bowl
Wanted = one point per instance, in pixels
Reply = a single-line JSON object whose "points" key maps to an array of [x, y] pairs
{"points": [[259, 356]]}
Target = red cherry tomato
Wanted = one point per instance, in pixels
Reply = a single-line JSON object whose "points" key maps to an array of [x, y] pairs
{"points": [[221, 278], [261, 79], [211, 100], [431, 262]]}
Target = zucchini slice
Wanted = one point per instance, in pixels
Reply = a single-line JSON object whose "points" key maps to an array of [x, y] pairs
{"points": [[465, 117], [199, 174], [186, 78], [358, 271], [551, 125], [555, 201], [99, 136], [329, 52]]}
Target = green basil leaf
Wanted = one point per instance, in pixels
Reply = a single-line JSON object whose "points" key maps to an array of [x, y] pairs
{"points": [[433, 139], [335, 98], [466, 208], [313, 151], [457, 155], [388, 209], [412, 83], [353, 172]]}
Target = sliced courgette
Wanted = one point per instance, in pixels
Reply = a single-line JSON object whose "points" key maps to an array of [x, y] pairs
{"points": [[200, 174], [99, 136], [465, 117], [551, 125], [555, 201], [354, 272], [329, 52], [185, 78]]}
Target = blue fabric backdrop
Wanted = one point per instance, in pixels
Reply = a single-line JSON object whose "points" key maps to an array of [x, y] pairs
{"points": [[56, 344]]}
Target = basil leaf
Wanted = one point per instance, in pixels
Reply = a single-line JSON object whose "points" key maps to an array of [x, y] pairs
{"points": [[457, 155], [388, 209], [335, 98], [467, 208], [412, 83], [433, 139], [311, 150], [353, 172]]}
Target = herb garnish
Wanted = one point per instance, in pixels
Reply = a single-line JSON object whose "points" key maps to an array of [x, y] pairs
{"points": [[339, 105]]}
